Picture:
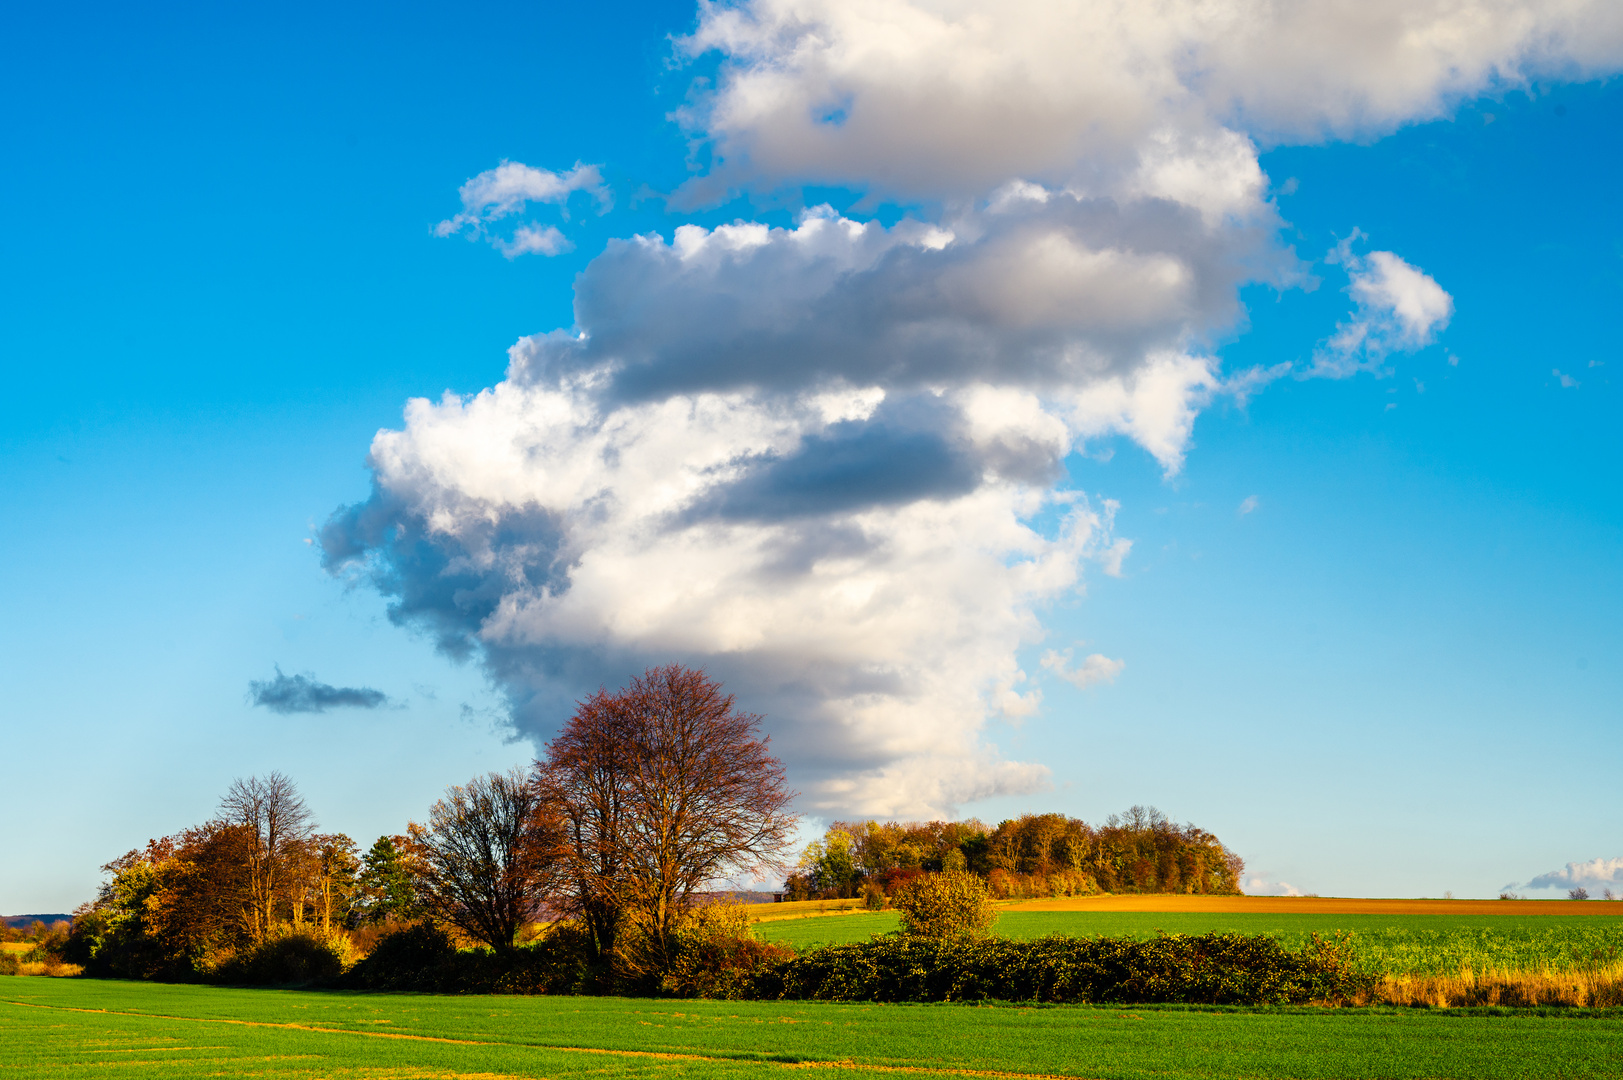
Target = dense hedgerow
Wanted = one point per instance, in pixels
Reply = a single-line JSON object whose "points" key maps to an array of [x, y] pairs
{"points": [[423, 957], [291, 955], [715, 955], [1215, 969]]}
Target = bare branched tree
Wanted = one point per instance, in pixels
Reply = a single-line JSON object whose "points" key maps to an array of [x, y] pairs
{"points": [[279, 825], [491, 851], [664, 789]]}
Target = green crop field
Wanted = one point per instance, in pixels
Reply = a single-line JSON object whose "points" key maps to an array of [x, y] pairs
{"points": [[828, 929], [1408, 944], [112, 1030]]}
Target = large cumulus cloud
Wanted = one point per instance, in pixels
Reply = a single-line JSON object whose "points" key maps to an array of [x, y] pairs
{"points": [[825, 461], [951, 98]]}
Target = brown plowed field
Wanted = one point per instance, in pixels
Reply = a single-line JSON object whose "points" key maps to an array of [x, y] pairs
{"points": [[1317, 905]]}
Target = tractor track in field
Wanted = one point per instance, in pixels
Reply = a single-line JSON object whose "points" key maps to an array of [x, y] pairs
{"points": [[846, 1065]]}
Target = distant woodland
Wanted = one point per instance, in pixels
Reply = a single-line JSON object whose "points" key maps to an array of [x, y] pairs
{"points": [[1034, 855]]}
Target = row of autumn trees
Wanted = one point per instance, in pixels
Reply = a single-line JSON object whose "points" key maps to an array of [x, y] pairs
{"points": [[257, 872], [645, 797], [1140, 851]]}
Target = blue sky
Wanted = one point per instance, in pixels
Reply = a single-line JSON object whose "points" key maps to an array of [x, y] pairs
{"points": [[1397, 673]]}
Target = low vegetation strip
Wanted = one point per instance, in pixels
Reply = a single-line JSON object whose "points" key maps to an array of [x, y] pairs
{"points": [[1215, 969], [1414, 959], [803, 909], [517, 1037], [1318, 905]]}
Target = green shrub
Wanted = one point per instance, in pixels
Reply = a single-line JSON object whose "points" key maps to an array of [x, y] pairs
{"points": [[9, 964], [291, 955], [717, 955], [946, 905], [555, 963], [873, 897], [423, 957], [1215, 969], [407, 959]]}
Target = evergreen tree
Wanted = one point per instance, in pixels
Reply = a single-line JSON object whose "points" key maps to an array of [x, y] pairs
{"points": [[387, 888]]}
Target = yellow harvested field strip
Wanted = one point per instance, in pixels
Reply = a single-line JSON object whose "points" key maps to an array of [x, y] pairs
{"points": [[804, 909], [16, 946], [656, 1054], [1316, 905]]}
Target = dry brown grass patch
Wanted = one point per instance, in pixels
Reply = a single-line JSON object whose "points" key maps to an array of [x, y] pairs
{"points": [[49, 968], [1598, 987]]}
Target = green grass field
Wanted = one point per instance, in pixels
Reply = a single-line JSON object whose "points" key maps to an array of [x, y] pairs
{"points": [[79, 1027], [1409, 944]]}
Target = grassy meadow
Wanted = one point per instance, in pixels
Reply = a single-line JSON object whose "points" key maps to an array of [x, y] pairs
{"points": [[1419, 944], [117, 1030]]}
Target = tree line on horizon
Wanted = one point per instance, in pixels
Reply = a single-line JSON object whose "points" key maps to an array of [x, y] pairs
{"points": [[1034, 855]]}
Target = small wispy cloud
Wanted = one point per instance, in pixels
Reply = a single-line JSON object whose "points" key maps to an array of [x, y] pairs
{"points": [[509, 189], [1248, 504], [1399, 308], [1262, 886], [1095, 668], [303, 694], [1566, 381], [535, 240]]}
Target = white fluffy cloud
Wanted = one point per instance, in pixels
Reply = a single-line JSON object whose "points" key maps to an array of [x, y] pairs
{"points": [[1596, 873], [508, 189], [826, 461], [772, 537], [952, 98], [1399, 308]]}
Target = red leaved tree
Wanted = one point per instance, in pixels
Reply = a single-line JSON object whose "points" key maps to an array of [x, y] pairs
{"points": [[663, 788]]}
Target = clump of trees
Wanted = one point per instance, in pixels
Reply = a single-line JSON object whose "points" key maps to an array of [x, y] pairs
{"points": [[1139, 851], [256, 875], [646, 796]]}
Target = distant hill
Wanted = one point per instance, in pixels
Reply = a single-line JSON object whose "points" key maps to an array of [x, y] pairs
{"points": [[23, 922]]}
